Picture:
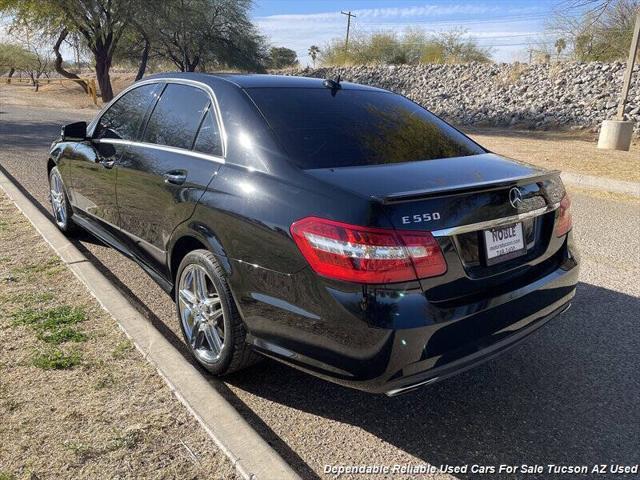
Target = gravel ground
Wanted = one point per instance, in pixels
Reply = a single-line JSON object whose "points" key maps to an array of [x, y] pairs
{"points": [[566, 396]]}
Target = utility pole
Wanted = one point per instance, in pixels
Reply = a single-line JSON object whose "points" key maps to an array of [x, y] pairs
{"points": [[346, 42], [626, 82], [616, 133]]}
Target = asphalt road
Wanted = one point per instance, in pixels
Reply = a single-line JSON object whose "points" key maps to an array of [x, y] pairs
{"points": [[569, 395]]}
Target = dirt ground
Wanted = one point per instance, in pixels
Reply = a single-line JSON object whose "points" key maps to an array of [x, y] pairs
{"points": [[77, 400], [570, 151], [566, 151], [57, 93]]}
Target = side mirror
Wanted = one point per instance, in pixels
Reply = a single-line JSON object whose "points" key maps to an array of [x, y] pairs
{"points": [[74, 131]]}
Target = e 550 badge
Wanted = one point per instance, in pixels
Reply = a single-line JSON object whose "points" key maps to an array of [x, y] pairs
{"points": [[421, 218]]}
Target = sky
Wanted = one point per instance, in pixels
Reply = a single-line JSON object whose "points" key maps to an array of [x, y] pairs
{"points": [[507, 26]]}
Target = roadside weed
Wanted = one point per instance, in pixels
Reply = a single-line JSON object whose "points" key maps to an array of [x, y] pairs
{"points": [[55, 359], [53, 325], [61, 335], [122, 349]]}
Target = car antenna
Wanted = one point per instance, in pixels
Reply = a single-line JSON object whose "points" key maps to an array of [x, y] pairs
{"points": [[332, 84]]}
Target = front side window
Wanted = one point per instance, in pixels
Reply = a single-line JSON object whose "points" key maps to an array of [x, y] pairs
{"points": [[122, 120], [176, 117], [208, 139], [321, 128]]}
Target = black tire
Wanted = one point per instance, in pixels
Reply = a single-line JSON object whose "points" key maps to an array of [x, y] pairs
{"points": [[64, 222], [235, 353]]}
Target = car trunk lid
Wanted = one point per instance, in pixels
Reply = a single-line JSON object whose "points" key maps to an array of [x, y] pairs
{"points": [[457, 199]]}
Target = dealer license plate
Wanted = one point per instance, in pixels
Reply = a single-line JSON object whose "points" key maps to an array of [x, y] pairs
{"points": [[504, 243]]}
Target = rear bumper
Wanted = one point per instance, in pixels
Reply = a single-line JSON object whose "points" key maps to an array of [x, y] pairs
{"points": [[392, 339], [431, 375]]}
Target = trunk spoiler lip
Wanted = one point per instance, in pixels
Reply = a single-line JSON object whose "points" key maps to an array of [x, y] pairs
{"points": [[445, 191]]}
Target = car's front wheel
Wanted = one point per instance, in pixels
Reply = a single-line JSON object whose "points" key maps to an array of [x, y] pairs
{"points": [[60, 206], [209, 319]]}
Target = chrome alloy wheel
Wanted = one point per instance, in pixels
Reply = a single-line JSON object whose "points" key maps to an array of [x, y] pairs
{"points": [[58, 201], [201, 313]]}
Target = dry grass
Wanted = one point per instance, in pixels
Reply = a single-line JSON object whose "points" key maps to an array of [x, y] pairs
{"points": [[76, 399], [566, 151]]}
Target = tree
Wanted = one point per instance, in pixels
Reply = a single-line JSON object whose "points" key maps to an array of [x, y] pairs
{"points": [[135, 46], [207, 34], [101, 24], [190, 33], [14, 58], [282, 57], [601, 32], [58, 63], [39, 59], [560, 45], [457, 49], [313, 53]]}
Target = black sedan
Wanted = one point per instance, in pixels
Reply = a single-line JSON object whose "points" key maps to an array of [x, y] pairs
{"points": [[339, 228]]}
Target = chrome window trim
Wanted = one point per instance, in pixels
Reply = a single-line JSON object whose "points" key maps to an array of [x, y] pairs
{"points": [[182, 81], [472, 227], [165, 148]]}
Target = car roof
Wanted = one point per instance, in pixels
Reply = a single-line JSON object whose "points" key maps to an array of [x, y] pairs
{"points": [[258, 80]]}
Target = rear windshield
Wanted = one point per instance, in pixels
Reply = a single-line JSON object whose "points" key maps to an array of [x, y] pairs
{"points": [[321, 128]]}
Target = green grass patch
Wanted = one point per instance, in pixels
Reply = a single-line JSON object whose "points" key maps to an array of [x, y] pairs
{"points": [[53, 325], [122, 349], [6, 476], [3, 227], [55, 359], [62, 335]]}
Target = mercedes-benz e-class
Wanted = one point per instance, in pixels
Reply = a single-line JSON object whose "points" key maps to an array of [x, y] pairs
{"points": [[339, 228]]}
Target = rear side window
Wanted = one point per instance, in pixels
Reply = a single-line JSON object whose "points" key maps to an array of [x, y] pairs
{"points": [[208, 139], [321, 128], [176, 116], [122, 119]]}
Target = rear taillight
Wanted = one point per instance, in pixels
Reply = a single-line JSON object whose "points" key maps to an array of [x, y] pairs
{"points": [[564, 221], [367, 255]]}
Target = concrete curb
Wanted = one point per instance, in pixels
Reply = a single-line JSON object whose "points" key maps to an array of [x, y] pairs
{"points": [[601, 183], [252, 457]]}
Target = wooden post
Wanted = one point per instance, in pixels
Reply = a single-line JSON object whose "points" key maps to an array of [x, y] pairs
{"points": [[626, 82], [346, 42]]}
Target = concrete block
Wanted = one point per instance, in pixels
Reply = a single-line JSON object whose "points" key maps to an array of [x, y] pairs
{"points": [[616, 135]]}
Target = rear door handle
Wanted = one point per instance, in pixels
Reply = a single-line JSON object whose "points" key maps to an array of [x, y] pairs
{"points": [[177, 177]]}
